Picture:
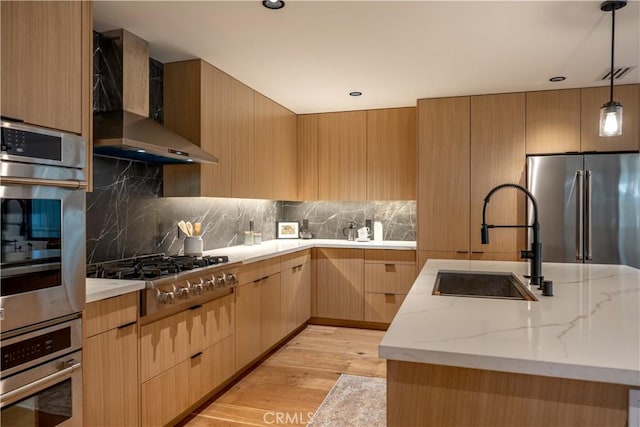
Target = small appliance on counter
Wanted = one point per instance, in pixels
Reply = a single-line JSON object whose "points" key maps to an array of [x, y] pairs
{"points": [[304, 231], [377, 231], [350, 232]]}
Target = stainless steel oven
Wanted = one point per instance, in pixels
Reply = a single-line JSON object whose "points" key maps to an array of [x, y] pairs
{"points": [[42, 199], [41, 382]]}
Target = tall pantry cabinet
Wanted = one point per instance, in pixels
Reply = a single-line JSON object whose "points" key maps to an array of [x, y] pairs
{"points": [[466, 146]]}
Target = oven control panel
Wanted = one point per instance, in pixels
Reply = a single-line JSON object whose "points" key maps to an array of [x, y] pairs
{"points": [[36, 347], [20, 142]]}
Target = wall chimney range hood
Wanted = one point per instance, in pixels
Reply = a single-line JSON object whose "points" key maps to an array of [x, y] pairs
{"points": [[121, 125]]}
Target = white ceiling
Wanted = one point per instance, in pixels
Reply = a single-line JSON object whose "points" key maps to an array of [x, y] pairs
{"points": [[311, 54]]}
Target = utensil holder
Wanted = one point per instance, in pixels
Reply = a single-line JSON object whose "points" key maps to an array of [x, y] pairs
{"points": [[193, 246]]}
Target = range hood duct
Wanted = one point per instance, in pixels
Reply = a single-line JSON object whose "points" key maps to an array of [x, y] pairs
{"points": [[123, 128]]}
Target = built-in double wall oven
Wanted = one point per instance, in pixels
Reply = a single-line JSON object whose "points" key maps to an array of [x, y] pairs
{"points": [[42, 275]]}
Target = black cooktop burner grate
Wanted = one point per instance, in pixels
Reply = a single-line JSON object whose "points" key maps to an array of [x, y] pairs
{"points": [[149, 267]]}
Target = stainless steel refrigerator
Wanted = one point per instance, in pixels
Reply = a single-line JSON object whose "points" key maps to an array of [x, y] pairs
{"points": [[589, 207]]}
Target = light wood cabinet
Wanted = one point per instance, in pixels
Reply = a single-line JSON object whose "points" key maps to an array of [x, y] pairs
{"points": [[46, 49], [342, 156], [443, 174], [46, 63], [254, 138], [388, 276], [553, 121], [308, 157], [468, 145], [497, 157], [110, 371], [258, 311], [340, 283], [391, 154], [216, 112], [296, 290], [591, 101], [361, 155], [169, 394], [275, 157]]}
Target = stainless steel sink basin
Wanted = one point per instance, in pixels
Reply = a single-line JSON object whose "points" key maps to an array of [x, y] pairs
{"points": [[481, 284]]}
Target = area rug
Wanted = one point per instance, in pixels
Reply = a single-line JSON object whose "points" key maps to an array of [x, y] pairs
{"points": [[353, 401]]}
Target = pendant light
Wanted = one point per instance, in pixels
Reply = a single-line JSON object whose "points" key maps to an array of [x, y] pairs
{"points": [[611, 112]]}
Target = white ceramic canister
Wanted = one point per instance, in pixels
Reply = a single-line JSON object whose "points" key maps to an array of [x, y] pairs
{"points": [[193, 246]]}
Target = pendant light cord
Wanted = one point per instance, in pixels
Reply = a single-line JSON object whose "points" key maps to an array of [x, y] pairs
{"points": [[613, 37]]}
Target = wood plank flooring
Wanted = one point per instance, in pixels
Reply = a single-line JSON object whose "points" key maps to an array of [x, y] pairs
{"points": [[289, 386]]}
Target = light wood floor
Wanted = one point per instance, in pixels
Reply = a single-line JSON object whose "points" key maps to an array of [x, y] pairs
{"points": [[295, 380]]}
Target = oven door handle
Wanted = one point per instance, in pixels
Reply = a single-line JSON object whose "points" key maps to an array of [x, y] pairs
{"points": [[69, 367], [12, 180]]}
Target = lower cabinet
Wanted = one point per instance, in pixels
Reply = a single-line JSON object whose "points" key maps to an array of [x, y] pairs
{"points": [[340, 283], [110, 362], [389, 275], [296, 290], [185, 356], [167, 395], [258, 310]]}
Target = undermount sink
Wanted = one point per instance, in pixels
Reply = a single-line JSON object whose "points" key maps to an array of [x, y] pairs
{"points": [[481, 284]]}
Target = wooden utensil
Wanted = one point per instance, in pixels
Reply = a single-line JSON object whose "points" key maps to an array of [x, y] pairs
{"points": [[197, 227], [183, 227], [190, 229]]}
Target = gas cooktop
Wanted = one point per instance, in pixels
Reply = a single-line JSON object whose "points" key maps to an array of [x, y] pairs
{"points": [[151, 267]]}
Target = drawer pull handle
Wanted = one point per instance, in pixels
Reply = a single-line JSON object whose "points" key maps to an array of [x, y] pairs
{"points": [[462, 252], [389, 294], [196, 355], [389, 265], [195, 307], [257, 281], [126, 325]]}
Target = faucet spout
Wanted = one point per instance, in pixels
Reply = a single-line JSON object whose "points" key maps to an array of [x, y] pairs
{"points": [[535, 254]]}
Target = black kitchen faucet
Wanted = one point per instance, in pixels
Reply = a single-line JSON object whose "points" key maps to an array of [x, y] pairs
{"points": [[535, 254]]}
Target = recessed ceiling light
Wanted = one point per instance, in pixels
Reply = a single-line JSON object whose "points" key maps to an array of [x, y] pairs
{"points": [[273, 4], [557, 79], [355, 93]]}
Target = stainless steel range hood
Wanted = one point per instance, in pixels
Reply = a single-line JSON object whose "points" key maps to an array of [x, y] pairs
{"points": [[123, 128]]}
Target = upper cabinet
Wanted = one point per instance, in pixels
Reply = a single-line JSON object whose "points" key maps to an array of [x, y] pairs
{"points": [[342, 156], [308, 157], [361, 155], [592, 100], [253, 137], [563, 121], [46, 50], [275, 156], [553, 121], [391, 154], [46, 56]]}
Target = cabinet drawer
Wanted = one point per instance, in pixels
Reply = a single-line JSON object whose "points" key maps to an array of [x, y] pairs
{"points": [[381, 307], [100, 316], [389, 255], [259, 270], [295, 259], [389, 277]]}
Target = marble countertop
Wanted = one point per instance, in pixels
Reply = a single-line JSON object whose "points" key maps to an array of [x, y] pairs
{"points": [[98, 289], [589, 330]]}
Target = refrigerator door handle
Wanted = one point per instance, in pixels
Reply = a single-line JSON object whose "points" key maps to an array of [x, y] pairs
{"points": [[579, 214], [587, 229]]}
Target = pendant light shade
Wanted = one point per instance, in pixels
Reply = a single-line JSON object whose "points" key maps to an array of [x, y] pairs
{"points": [[611, 112]]}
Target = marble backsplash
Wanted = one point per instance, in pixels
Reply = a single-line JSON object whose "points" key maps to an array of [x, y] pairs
{"points": [[328, 219], [126, 215]]}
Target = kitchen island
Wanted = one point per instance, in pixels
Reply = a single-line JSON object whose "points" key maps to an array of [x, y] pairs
{"points": [[569, 359]]}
